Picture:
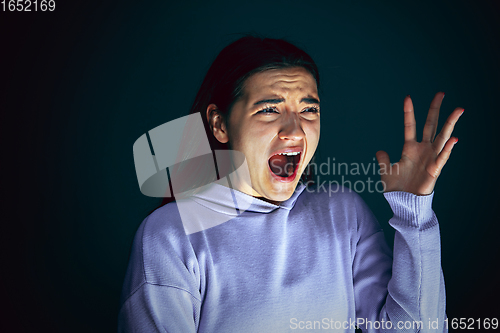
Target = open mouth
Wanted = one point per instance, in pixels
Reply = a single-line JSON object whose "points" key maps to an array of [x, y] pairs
{"points": [[285, 165]]}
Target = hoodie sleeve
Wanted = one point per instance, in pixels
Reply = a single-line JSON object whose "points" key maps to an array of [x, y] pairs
{"points": [[404, 292]]}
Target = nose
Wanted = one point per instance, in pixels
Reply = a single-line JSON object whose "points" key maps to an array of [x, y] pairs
{"points": [[291, 128]]}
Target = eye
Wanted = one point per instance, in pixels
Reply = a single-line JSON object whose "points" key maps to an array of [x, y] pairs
{"points": [[268, 110], [312, 109]]}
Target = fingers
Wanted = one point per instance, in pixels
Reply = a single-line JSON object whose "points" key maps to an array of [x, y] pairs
{"points": [[383, 160], [409, 120], [447, 129], [432, 118], [445, 153]]}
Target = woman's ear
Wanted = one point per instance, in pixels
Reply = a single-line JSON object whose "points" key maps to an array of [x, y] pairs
{"points": [[217, 124]]}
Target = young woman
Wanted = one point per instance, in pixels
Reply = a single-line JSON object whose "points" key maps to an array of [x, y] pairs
{"points": [[258, 251]]}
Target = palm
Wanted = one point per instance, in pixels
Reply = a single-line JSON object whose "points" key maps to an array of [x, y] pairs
{"points": [[421, 162]]}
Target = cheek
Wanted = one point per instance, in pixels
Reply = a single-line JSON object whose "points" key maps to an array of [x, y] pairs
{"points": [[245, 140], [260, 136], [236, 136], [312, 135]]}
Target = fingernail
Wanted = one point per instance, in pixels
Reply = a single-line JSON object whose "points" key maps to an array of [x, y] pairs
{"points": [[408, 96], [444, 95], [456, 140]]}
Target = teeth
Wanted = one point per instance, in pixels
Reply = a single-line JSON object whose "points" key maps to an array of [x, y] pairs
{"points": [[289, 154]]}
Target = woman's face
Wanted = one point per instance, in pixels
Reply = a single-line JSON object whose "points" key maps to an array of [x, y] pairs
{"points": [[276, 125]]}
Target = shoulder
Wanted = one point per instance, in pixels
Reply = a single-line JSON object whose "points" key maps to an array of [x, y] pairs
{"points": [[163, 233], [162, 245], [163, 222], [162, 254]]}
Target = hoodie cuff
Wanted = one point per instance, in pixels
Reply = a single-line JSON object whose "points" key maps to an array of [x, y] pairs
{"points": [[411, 210]]}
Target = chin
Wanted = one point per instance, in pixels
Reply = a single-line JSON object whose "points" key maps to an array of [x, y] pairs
{"points": [[281, 192]]}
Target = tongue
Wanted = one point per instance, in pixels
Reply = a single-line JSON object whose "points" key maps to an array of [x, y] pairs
{"points": [[281, 165]]}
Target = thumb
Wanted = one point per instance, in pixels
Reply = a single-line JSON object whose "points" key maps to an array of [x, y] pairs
{"points": [[383, 160]]}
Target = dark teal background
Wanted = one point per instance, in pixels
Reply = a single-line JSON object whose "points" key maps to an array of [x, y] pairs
{"points": [[81, 84]]}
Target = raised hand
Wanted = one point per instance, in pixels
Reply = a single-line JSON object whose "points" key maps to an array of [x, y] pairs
{"points": [[421, 162]]}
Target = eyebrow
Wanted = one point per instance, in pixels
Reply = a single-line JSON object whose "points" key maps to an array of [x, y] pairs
{"points": [[308, 100]]}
